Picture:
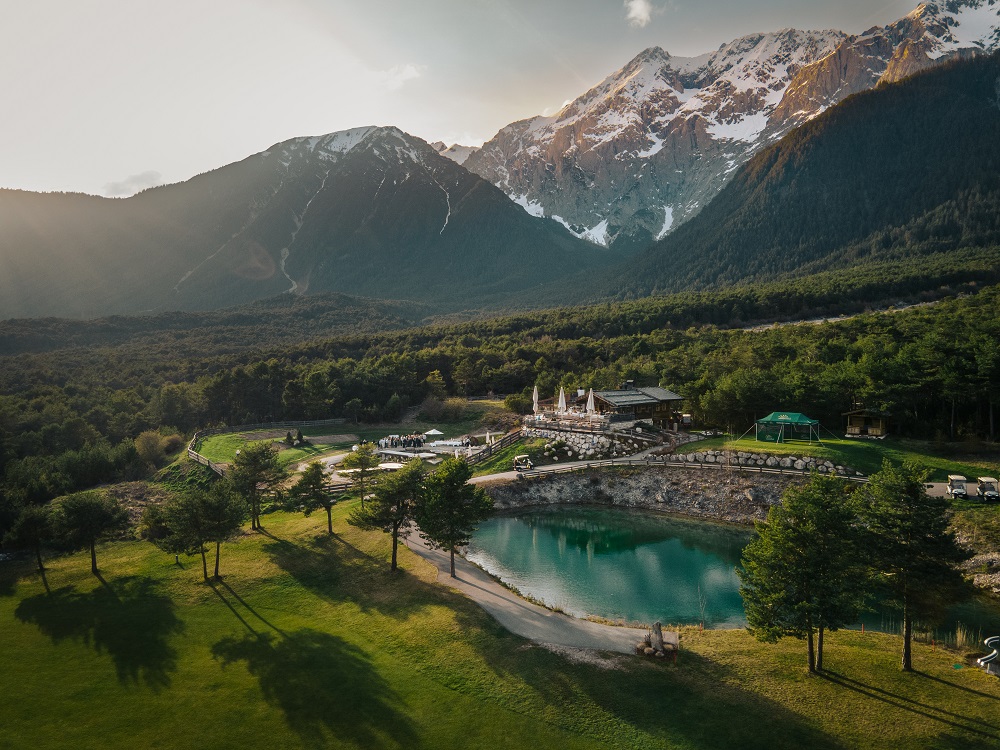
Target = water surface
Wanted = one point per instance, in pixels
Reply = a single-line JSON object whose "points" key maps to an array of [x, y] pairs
{"points": [[640, 566], [618, 564]]}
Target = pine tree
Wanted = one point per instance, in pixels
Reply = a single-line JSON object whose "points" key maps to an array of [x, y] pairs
{"points": [[312, 492], [451, 508], [804, 573], [392, 507], [914, 553], [255, 473]]}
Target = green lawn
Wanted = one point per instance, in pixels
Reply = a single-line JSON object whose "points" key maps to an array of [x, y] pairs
{"points": [[862, 455], [310, 642], [222, 448], [504, 460]]}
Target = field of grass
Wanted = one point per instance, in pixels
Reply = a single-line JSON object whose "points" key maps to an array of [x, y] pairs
{"points": [[504, 460], [862, 455], [222, 448], [309, 641]]}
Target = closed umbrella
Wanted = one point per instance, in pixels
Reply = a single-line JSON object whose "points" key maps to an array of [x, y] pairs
{"points": [[534, 400], [562, 401], [590, 402]]}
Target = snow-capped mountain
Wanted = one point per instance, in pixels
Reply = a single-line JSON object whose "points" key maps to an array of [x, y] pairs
{"points": [[456, 152], [650, 145], [369, 211]]}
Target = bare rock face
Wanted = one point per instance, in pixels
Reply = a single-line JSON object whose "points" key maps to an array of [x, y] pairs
{"points": [[736, 498], [646, 148]]}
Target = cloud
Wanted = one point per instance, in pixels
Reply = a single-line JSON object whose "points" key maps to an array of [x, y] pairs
{"points": [[638, 13], [395, 77], [133, 184]]}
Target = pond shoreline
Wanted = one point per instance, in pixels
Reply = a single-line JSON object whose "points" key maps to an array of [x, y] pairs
{"points": [[734, 498]]}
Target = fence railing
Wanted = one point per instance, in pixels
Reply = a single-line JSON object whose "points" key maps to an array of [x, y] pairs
{"points": [[657, 461], [193, 445], [509, 439]]}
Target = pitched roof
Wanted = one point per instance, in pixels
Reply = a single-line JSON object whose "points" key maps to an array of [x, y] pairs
{"points": [[638, 396]]}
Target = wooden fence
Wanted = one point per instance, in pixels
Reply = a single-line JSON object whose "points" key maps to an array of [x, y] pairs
{"points": [[509, 439], [194, 455]]}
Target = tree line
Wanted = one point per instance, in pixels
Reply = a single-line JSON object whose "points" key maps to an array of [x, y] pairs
{"points": [[70, 421], [827, 553], [443, 503]]}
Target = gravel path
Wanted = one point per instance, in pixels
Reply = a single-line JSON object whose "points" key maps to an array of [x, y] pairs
{"points": [[523, 618]]}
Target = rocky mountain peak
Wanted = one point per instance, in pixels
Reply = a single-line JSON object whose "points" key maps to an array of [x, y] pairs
{"points": [[652, 143]]}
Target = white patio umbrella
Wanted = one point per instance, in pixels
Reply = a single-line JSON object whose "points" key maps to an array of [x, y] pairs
{"points": [[562, 400], [434, 432], [534, 400], [590, 402]]}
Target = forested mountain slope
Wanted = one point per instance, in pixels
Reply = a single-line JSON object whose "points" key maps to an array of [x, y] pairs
{"points": [[909, 169]]}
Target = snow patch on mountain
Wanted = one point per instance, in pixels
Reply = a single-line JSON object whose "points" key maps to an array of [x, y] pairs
{"points": [[532, 207], [668, 221], [970, 24]]}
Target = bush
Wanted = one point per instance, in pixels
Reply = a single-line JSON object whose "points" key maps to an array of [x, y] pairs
{"points": [[519, 404]]}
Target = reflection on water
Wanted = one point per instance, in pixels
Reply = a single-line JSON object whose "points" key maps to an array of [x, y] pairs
{"points": [[618, 564], [643, 567]]}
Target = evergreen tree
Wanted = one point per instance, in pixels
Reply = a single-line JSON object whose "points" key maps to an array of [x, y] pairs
{"points": [[312, 492], [803, 573], [392, 507], [914, 553], [189, 522], [32, 529], [451, 508], [255, 473], [86, 518], [363, 463]]}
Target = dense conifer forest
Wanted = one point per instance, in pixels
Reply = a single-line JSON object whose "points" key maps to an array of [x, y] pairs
{"points": [[68, 417]]}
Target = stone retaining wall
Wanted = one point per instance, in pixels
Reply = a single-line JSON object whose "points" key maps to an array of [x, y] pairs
{"points": [[580, 446], [742, 458], [733, 497]]}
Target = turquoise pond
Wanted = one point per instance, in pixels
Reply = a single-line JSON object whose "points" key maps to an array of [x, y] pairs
{"points": [[641, 567]]}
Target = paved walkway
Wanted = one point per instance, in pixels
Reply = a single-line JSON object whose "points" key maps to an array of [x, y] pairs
{"points": [[524, 618]]}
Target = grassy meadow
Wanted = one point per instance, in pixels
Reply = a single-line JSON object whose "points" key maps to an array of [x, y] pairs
{"points": [[332, 438], [864, 455], [308, 641]]}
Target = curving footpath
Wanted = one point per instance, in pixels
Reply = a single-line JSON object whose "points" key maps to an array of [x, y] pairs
{"points": [[523, 618]]}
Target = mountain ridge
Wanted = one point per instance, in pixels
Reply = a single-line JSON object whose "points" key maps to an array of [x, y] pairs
{"points": [[607, 164]]}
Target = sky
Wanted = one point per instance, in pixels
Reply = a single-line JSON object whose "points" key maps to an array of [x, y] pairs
{"points": [[112, 96]]}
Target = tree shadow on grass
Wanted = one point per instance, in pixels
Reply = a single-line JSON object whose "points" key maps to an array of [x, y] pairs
{"points": [[335, 570], [956, 686], [130, 620], [325, 687], [696, 703], [971, 724]]}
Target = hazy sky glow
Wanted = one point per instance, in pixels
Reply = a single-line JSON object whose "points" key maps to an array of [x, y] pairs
{"points": [[111, 96]]}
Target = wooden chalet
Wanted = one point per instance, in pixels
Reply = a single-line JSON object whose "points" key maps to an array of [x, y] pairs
{"points": [[654, 404], [867, 423]]}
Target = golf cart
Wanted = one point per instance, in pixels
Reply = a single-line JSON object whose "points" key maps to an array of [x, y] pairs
{"points": [[956, 486], [987, 489], [522, 463]]}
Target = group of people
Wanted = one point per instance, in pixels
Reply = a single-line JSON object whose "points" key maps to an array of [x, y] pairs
{"points": [[402, 441]]}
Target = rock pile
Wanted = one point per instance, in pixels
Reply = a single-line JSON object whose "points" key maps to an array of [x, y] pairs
{"points": [[742, 458], [583, 446]]}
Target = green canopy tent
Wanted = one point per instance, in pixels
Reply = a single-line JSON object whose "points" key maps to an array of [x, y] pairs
{"points": [[781, 426]]}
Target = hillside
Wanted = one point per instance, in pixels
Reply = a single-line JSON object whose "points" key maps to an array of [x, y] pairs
{"points": [[646, 149], [368, 211], [904, 171]]}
